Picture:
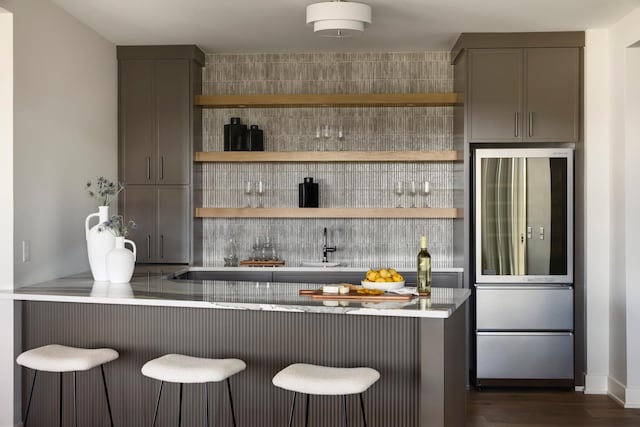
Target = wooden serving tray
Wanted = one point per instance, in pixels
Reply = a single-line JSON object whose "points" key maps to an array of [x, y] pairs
{"points": [[353, 295], [268, 263]]}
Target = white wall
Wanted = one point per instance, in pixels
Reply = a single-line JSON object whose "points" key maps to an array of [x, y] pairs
{"points": [[597, 200], [7, 370], [612, 144], [65, 124], [57, 129]]}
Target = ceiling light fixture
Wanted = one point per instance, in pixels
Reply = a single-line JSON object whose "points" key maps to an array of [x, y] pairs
{"points": [[338, 18]]}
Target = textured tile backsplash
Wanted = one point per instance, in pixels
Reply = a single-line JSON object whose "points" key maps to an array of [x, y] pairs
{"points": [[360, 242]]}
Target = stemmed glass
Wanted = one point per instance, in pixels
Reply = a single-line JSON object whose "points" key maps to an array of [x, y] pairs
{"points": [[260, 190], [247, 192], [426, 189], [413, 189], [398, 188]]}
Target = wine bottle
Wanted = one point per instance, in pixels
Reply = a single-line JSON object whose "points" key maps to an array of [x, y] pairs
{"points": [[424, 268]]}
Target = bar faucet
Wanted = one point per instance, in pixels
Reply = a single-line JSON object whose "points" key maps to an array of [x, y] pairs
{"points": [[325, 248]]}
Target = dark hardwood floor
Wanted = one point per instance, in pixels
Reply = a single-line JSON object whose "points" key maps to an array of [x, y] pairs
{"points": [[532, 408]]}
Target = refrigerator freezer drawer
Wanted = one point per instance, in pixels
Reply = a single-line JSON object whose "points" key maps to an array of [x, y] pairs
{"points": [[524, 308], [525, 355]]}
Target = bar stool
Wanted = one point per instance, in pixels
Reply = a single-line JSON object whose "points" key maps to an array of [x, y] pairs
{"points": [[61, 358], [324, 380], [178, 368]]}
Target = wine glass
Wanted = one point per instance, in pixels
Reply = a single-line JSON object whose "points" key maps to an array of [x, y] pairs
{"points": [[398, 188], [426, 189], [247, 192], [260, 190], [413, 190]]}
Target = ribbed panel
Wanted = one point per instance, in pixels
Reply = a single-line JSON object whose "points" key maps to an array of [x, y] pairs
{"points": [[266, 341], [361, 243]]}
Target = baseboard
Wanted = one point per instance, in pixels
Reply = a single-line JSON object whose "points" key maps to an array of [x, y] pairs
{"points": [[595, 384], [632, 397], [616, 391]]}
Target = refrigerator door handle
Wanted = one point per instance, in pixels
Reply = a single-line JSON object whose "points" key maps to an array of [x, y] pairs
{"points": [[518, 334], [517, 287]]}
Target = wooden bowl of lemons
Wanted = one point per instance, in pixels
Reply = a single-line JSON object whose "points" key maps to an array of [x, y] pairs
{"points": [[385, 279]]}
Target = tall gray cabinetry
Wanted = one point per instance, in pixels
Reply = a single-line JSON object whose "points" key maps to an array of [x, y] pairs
{"points": [[521, 90], [159, 129]]}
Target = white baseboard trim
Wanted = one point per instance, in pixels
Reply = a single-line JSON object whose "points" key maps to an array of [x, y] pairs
{"points": [[616, 391], [632, 397], [596, 384]]}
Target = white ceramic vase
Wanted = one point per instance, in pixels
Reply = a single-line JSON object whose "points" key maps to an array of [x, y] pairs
{"points": [[99, 242], [121, 261]]}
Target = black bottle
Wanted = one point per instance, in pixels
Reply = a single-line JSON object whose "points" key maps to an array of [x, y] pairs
{"points": [[254, 139], [235, 136], [308, 194]]}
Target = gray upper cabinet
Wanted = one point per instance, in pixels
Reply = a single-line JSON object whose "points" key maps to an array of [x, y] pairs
{"points": [[155, 117], [495, 95], [523, 95], [552, 94]]}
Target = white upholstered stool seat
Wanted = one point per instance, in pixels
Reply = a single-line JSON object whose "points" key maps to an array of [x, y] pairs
{"points": [[60, 358], [178, 368], [325, 380]]}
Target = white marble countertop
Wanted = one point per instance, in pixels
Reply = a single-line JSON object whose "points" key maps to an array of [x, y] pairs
{"points": [[154, 289]]}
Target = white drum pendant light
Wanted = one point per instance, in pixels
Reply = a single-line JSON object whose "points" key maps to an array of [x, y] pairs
{"points": [[338, 18]]}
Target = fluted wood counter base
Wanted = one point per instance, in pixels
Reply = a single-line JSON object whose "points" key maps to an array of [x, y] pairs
{"points": [[421, 362]]}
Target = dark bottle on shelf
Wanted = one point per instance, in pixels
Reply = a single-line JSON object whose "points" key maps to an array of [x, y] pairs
{"points": [[254, 139], [235, 136], [308, 194]]}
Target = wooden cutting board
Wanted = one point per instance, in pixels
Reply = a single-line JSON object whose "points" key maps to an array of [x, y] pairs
{"points": [[353, 295], [269, 263]]}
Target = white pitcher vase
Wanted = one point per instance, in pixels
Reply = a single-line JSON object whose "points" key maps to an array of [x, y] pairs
{"points": [[121, 261], [99, 242]]}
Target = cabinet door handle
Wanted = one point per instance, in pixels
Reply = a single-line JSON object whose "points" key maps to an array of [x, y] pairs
{"points": [[530, 123], [516, 124], [162, 167], [161, 246], [148, 246], [148, 167]]}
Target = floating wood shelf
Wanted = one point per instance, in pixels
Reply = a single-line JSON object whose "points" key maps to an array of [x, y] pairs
{"points": [[327, 156], [331, 100], [328, 213]]}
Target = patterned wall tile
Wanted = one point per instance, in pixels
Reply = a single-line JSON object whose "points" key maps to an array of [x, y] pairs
{"points": [[361, 242]]}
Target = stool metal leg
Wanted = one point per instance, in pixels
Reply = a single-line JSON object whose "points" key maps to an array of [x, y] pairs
{"points": [[206, 404], [364, 417], [306, 414], [60, 399], [106, 393], [293, 406], [233, 414], [155, 414], [344, 405], [180, 407], [33, 383], [75, 401]]}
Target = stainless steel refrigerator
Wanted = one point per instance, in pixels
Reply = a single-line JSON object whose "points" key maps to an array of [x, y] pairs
{"points": [[523, 262]]}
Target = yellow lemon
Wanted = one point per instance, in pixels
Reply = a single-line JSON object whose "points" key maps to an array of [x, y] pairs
{"points": [[380, 279], [384, 273], [392, 271], [397, 277]]}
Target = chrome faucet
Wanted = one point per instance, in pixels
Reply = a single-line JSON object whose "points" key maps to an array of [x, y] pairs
{"points": [[325, 248]]}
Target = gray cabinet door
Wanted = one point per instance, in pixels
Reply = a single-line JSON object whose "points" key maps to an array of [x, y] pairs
{"points": [[139, 205], [552, 94], [173, 213], [494, 97], [137, 122], [172, 97]]}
